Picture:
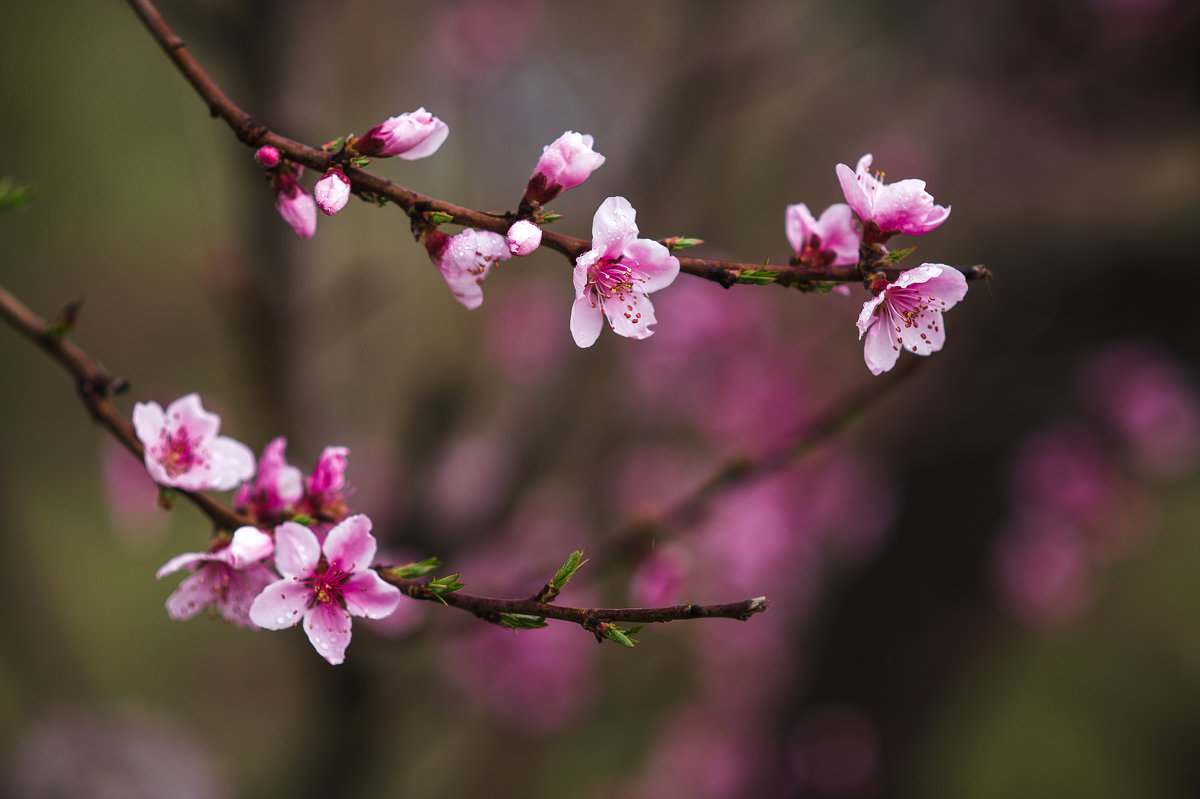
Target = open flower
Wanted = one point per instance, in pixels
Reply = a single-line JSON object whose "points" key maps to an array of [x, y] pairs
{"points": [[908, 314], [229, 577], [416, 134], [277, 486], [901, 207], [613, 278], [829, 241], [183, 449], [465, 259], [565, 163], [323, 586]]}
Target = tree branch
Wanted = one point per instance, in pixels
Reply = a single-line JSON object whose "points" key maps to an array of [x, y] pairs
{"points": [[370, 187], [96, 386]]}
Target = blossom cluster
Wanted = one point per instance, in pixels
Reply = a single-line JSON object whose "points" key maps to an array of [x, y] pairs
{"points": [[278, 572], [614, 277]]}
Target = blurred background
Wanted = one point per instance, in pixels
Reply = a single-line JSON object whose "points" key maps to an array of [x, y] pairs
{"points": [[985, 586]]}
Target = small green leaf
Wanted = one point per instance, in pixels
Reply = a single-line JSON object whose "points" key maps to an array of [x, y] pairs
{"points": [[335, 145], [13, 196], [521, 621], [574, 563], [440, 217], [415, 569], [64, 323], [444, 585], [896, 256], [549, 219], [360, 161], [676, 243], [758, 277], [304, 519], [614, 633]]}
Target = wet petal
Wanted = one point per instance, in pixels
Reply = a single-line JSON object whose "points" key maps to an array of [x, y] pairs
{"points": [[350, 545], [249, 545], [614, 226], [193, 594], [296, 550], [656, 267], [587, 321], [367, 594], [328, 628], [281, 604], [630, 315]]}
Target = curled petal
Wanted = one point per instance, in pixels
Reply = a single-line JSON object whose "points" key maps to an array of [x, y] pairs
{"points": [[249, 545], [350, 545], [656, 267]]}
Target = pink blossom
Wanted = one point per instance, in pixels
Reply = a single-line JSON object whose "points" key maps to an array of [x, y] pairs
{"points": [[465, 260], [901, 207], [295, 205], [229, 577], [613, 278], [523, 237], [277, 486], [565, 163], [267, 156], [908, 314], [416, 134], [325, 490], [332, 191], [831, 240], [183, 449], [324, 585]]}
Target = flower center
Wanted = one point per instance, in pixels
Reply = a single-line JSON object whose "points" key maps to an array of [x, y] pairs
{"points": [[326, 585], [610, 278], [178, 452]]}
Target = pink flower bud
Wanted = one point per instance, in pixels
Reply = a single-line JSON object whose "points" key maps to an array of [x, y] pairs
{"points": [[465, 259], [268, 156], [296, 206], [332, 191], [414, 135], [524, 237], [565, 163]]}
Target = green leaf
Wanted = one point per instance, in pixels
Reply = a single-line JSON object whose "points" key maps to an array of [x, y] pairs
{"points": [[614, 633], [574, 562], [304, 519], [360, 161], [549, 219], [415, 569], [521, 621], [676, 243], [439, 217], [444, 585], [13, 196], [896, 256], [758, 277]]}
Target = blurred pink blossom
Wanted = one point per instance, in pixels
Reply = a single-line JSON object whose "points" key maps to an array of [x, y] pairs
{"points": [[835, 751], [831, 240], [324, 585], [412, 135], [524, 331], [613, 278], [659, 578], [183, 449], [901, 207], [565, 163], [477, 40], [332, 191], [1043, 571], [1143, 393], [130, 494], [228, 577], [908, 314]]}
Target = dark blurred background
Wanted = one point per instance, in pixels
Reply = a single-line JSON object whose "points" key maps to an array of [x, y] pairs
{"points": [[983, 587]]}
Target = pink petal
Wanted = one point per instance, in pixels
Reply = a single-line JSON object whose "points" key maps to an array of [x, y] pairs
{"points": [[631, 315], [249, 545], [148, 422], [856, 195], [587, 321], [655, 264], [243, 587], [296, 550], [838, 233], [350, 545], [880, 350], [229, 462], [193, 595], [614, 227], [328, 628], [281, 604], [436, 133], [180, 561], [367, 594], [798, 224], [189, 411]]}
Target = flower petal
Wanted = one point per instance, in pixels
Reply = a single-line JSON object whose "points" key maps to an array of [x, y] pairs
{"points": [[237, 596], [296, 550], [281, 604], [193, 594], [328, 628], [180, 561], [856, 195], [350, 545], [587, 321], [366, 594], [614, 226], [798, 224], [188, 411], [880, 350], [249, 545], [656, 267], [630, 315]]}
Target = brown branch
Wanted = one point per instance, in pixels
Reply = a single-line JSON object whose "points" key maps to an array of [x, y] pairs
{"points": [[491, 608], [371, 187], [96, 386]]}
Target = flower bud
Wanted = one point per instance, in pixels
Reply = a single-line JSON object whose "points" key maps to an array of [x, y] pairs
{"points": [[414, 135], [332, 191], [565, 163], [524, 237], [267, 156], [296, 206]]}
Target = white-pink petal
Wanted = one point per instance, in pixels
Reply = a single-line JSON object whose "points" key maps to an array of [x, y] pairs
{"points": [[630, 316], [613, 227], [280, 605], [656, 267], [328, 628], [296, 550], [249, 545], [367, 594], [350, 545], [587, 320]]}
